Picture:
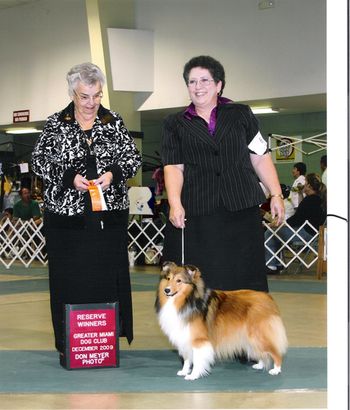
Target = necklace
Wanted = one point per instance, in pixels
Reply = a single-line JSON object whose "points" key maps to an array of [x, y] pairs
{"points": [[88, 138], [87, 134], [86, 129]]}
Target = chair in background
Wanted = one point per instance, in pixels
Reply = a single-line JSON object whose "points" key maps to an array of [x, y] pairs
{"points": [[297, 252], [314, 252], [322, 252]]}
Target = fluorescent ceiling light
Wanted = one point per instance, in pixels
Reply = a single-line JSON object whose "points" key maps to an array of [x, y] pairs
{"points": [[264, 110], [22, 131]]}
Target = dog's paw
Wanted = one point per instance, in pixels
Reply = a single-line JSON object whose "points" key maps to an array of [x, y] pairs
{"points": [[276, 370], [259, 365], [186, 368], [192, 376]]}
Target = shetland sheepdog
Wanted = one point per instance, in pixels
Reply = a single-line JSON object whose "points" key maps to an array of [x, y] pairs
{"points": [[205, 324]]}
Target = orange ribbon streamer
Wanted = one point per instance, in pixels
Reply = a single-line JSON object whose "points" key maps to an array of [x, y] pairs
{"points": [[97, 200]]}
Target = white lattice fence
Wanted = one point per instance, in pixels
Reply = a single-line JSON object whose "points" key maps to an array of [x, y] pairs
{"points": [[145, 236], [298, 249], [24, 241]]}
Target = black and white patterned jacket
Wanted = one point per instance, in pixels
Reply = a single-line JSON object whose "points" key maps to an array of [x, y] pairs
{"points": [[60, 153]]}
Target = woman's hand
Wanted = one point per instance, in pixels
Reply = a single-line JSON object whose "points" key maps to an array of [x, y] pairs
{"points": [[104, 180], [177, 216], [277, 210], [81, 184]]}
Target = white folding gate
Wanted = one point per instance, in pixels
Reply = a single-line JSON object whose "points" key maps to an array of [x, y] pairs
{"points": [[295, 248], [23, 241]]}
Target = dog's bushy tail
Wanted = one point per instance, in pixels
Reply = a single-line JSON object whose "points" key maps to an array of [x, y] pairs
{"points": [[279, 334]]}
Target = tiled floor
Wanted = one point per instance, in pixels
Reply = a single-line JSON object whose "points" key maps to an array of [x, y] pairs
{"points": [[25, 325]]}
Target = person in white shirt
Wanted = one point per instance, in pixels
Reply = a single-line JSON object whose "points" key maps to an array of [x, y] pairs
{"points": [[296, 192], [323, 165]]}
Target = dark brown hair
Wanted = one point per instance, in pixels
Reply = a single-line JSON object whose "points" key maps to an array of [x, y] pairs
{"points": [[213, 66], [315, 181]]}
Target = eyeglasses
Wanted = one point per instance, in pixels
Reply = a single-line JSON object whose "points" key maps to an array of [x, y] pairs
{"points": [[84, 98], [205, 82]]}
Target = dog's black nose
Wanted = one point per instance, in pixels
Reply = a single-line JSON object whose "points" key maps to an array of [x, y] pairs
{"points": [[167, 290]]}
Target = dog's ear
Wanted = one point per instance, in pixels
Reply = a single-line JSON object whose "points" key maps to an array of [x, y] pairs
{"points": [[193, 271], [166, 266]]}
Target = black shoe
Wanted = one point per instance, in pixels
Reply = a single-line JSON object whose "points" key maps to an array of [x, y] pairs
{"points": [[62, 358], [277, 271]]}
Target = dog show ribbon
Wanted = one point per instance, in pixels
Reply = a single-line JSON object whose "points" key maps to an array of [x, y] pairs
{"points": [[97, 199]]}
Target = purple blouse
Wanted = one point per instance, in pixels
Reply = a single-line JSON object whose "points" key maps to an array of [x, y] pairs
{"points": [[190, 113]]}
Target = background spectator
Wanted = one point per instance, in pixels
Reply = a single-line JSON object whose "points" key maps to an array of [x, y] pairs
{"points": [[27, 208], [323, 165], [296, 194], [313, 208]]}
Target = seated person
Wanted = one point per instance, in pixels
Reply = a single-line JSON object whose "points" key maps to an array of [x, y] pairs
{"points": [[26, 208], [312, 208], [323, 165], [296, 192]]}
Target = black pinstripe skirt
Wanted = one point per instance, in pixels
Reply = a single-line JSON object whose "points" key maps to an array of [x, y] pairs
{"points": [[227, 247]]}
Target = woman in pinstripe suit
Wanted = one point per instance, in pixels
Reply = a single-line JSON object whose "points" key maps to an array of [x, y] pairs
{"points": [[213, 155]]}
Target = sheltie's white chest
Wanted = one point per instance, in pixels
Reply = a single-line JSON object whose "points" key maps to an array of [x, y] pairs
{"points": [[177, 330]]}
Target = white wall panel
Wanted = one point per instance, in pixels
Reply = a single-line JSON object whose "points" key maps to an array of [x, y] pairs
{"points": [[40, 43], [266, 53], [132, 60], [270, 53]]}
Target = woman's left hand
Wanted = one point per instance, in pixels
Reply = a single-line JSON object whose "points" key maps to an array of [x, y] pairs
{"points": [[104, 180], [277, 209]]}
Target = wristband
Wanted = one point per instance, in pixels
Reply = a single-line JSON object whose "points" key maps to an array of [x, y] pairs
{"points": [[277, 195]]}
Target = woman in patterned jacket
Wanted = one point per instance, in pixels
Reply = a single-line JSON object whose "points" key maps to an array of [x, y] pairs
{"points": [[81, 145]]}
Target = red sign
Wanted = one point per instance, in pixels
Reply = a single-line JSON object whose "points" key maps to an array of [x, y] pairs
{"points": [[21, 116], [91, 336]]}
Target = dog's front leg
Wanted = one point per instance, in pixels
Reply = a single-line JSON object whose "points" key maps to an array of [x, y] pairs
{"points": [[186, 369], [203, 358], [187, 356]]}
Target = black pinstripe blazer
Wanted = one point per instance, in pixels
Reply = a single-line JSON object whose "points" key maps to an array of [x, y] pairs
{"points": [[217, 169]]}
